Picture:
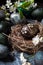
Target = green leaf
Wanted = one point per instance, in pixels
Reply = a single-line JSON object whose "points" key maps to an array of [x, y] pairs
{"points": [[21, 14], [26, 3]]}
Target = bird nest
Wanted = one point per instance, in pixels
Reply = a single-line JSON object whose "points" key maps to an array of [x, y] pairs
{"points": [[21, 37]]}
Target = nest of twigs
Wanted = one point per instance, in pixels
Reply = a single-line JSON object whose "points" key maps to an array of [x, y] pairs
{"points": [[21, 37]]}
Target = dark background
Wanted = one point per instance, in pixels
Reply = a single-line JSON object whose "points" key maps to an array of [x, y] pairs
{"points": [[4, 1], [39, 1]]}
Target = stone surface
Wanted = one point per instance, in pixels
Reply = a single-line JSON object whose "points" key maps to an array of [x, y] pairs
{"points": [[18, 62]]}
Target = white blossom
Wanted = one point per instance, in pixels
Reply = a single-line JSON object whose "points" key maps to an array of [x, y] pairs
{"points": [[8, 3], [41, 39], [27, 63], [11, 8], [22, 58], [34, 5], [18, 3], [3, 7], [35, 40]]}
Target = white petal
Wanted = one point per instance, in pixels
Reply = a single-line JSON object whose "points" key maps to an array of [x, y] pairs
{"points": [[22, 58], [41, 39], [35, 40]]}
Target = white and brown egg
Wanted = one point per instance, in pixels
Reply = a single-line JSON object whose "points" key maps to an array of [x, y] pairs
{"points": [[29, 30]]}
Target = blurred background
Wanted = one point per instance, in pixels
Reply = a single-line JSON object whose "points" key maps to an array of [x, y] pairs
{"points": [[4, 1]]}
